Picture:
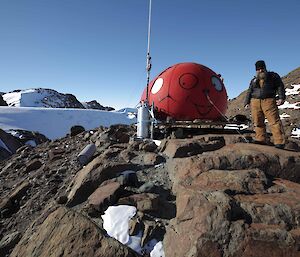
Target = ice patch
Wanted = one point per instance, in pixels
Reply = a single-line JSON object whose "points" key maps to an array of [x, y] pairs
{"points": [[116, 223], [296, 133], [287, 105], [284, 115], [157, 142], [292, 91], [158, 250]]}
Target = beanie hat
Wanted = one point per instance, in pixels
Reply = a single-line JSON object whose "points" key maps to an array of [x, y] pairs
{"points": [[260, 65]]}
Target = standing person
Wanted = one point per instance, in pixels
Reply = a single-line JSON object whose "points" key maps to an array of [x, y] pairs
{"points": [[262, 97]]}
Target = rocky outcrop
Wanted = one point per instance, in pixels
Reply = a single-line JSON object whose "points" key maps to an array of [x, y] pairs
{"points": [[16, 140], [273, 162], [9, 144], [184, 148], [68, 233], [2, 102], [210, 195], [91, 176], [95, 105], [235, 223], [229, 203]]}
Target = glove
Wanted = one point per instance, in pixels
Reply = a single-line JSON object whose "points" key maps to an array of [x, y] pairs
{"points": [[279, 101]]}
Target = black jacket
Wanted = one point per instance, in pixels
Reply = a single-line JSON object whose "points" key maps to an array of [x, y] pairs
{"points": [[272, 86]]}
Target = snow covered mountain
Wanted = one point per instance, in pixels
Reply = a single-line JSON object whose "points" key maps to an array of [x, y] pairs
{"points": [[56, 122], [41, 97], [48, 98]]}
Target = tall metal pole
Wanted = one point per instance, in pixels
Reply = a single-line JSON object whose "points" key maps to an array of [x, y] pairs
{"points": [[143, 117], [148, 67]]}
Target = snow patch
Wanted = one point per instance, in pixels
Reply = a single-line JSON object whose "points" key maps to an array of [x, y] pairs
{"points": [[292, 91], [56, 122], [296, 133], [287, 105], [158, 250], [116, 223], [157, 142], [284, 115]]}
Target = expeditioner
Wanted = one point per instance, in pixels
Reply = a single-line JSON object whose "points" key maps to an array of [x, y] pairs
{"points": [[261, 95]]}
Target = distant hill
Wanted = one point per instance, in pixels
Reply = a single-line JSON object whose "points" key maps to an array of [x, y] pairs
{"points": [[292, 78], [95, 105], [289, 111], [48, 98]]}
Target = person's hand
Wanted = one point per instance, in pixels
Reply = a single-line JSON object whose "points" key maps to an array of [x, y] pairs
{"points": [[279, 102], [246, 106]]}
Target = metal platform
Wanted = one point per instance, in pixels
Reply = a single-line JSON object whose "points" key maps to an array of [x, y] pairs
{"points": [[201, 124]]}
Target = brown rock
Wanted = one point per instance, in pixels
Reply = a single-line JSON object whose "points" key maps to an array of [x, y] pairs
{"points": [[143, 202], [56, 154], [91, 176], [197, 215], [62, 199], [10, 141], [153, 159], [220, 221], [276, 208], [149, 230], [104, 196], [148, 146], [128, 155], [183, 148], [270, 239], [208, 248], [8, 242], [119, 133], [9, 202], [67, 233], [272, 161], [33, 165], [75, 130], [236, 181], [111, 152], [135, 226]]}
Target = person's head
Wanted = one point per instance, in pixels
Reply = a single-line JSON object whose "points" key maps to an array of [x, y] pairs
{"points": [[261, 70], [260, 65]]}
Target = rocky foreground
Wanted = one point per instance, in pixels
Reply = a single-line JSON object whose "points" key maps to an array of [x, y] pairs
{"points": [[209, 195]]}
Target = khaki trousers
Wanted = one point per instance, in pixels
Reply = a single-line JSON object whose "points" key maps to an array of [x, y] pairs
{"points": [[267, 108]]}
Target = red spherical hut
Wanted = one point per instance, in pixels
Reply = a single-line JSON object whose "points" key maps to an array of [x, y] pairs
{"points": [[187, 91]]}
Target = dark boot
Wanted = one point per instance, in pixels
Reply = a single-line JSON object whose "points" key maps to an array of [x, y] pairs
{"points": [[279, 146]]}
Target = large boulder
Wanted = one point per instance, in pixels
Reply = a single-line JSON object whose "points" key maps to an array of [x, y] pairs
{"points": [[10, 203], [9, 143], [274, 162], [92, 175], [68, 233], [231, 181], [2, 102], [179, 148], [235, 223]]}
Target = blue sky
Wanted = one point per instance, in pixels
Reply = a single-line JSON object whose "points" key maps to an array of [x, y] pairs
{"points": [[96, 49]]}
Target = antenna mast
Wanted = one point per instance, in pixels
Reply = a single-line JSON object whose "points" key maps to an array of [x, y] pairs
{"points": [[148, 65], [144, 122]]}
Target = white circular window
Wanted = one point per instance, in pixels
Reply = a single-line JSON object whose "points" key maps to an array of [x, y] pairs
{"points": [[157, 85], [217, 83]]}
